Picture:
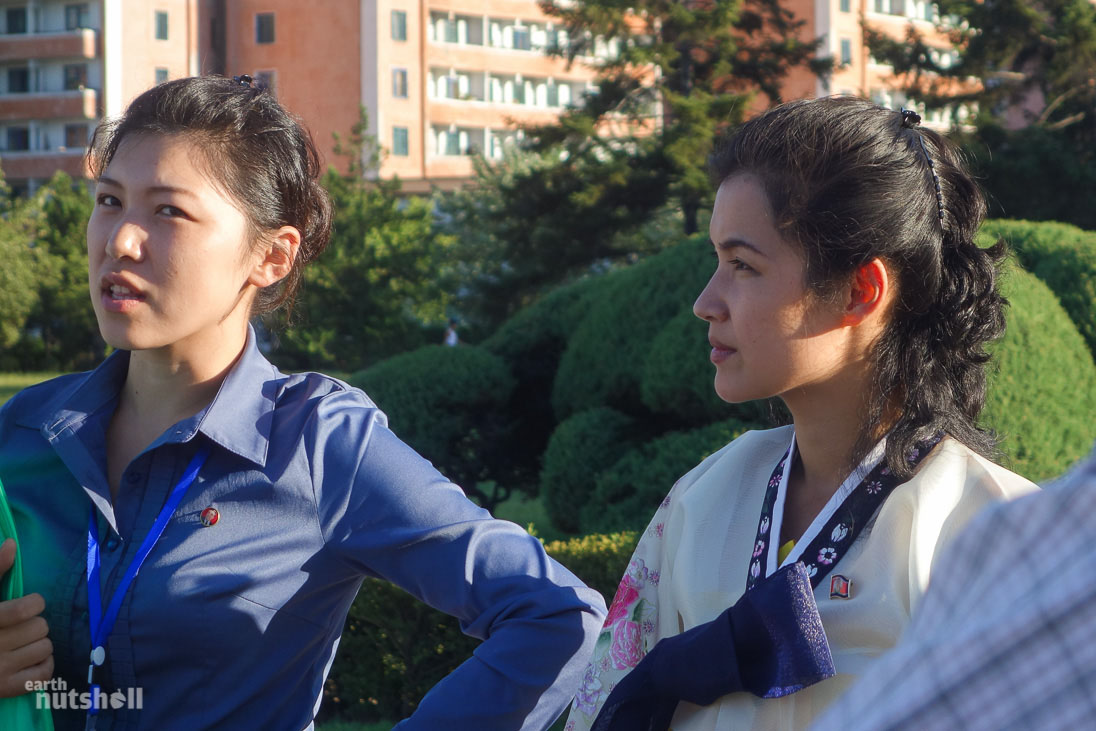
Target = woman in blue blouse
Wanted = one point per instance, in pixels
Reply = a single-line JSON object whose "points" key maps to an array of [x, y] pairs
{"points": [[252, 502]]}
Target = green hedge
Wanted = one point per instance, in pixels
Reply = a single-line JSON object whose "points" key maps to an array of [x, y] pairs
{"points": [[1042, 392], [394, 648], [626, 495], [448, 404], [580, 449], [1064, 257], [605, 356], [678, 378]]}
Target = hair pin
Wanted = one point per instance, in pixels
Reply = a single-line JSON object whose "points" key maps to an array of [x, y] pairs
{"points": [[243, 80], [910, 120]]}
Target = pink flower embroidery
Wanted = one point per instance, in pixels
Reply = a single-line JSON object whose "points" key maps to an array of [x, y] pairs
{"points": [[827, 555], [755, 569], [626, 650], [654, 577], [764, 526], [758, 548], [626, 595], [874, 487], [665, 502], [658, 530]]}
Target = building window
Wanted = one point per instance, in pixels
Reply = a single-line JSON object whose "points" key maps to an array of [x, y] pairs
{"points": [[399, 83], [76, 136], [522, 41], [18, 80], [264, 27], [161, 25], [18, 138], [452, 143], [76, 16], [16, 20], [450, 34], [267, 79], [399, 141], [891, 7], [399, 25], [846, 52], [76, 76], [161, 75], [845, 6]]}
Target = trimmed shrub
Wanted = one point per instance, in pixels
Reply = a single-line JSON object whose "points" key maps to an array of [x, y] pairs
{"points": [[1042, 395], [395, 648], [580, 448], [531, 343], [1064, 257], [448, 404], [679, 380], [605, 357], [628, 493]]}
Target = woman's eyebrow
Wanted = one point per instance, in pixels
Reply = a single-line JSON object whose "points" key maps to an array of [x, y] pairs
{"points": [[152, 189], [733, 243]]}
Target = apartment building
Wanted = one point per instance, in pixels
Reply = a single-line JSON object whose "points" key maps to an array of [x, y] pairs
{"points": [[440, 79], [64, 65]]}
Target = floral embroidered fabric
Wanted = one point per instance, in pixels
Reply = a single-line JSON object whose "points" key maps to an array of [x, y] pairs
{"points": [[841, 530]]}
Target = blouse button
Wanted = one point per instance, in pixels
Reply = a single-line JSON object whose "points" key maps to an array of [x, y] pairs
{"points": [[113, 543]]}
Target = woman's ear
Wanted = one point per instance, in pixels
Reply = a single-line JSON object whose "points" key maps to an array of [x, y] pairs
{"points": [[279, 253], [868, 294]]}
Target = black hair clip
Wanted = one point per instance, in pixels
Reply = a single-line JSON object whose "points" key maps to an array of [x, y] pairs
{"points": [[911, 119], [243, 80]]}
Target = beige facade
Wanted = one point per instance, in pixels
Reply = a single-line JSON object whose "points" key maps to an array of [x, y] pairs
{"points": [[440, 79], [64, 65]]}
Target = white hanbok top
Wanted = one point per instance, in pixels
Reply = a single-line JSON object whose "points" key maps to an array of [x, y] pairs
{"points": [[692, 562]]}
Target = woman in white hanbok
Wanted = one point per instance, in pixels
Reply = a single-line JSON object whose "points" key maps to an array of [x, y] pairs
{"points": [[848, 285]]}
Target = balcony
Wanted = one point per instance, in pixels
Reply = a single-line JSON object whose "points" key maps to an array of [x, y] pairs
{"points": [[42, 164], [78, 104], [79, 43]]}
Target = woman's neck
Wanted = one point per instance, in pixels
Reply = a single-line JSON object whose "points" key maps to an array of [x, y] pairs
{"points": [[828, 418], [163, 386]]}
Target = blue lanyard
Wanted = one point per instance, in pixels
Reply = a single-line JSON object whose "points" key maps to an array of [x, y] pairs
{"points": [[103, 625]]}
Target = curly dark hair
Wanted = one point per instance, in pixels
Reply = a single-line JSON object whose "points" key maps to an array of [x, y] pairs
{"points": [[848, 182], [251, 145]]}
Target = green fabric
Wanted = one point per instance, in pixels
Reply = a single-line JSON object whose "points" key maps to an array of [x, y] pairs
{"points": [[21, 712]]}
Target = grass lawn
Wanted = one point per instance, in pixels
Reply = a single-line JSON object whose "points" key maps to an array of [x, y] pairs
{"points": [[12, 383]]}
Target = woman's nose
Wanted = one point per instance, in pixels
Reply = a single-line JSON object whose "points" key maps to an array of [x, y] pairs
{"points": [[126, 241], [709, 306]]}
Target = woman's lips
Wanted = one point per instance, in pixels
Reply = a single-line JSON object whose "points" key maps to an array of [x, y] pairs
{"points": [[720, 351], [117, 295]]}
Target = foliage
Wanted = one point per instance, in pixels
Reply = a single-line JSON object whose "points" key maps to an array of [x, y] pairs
{"points": [[604, 359], [395, 648], [581, 447], [382, 278], [1064, 257], [18, 293], [448, 404], [692, 66], [60, 332], [626, 494], [1034, 173], [1043, 393], [586, 187], [1033, 58], [1029, 68], [532, 343]]}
